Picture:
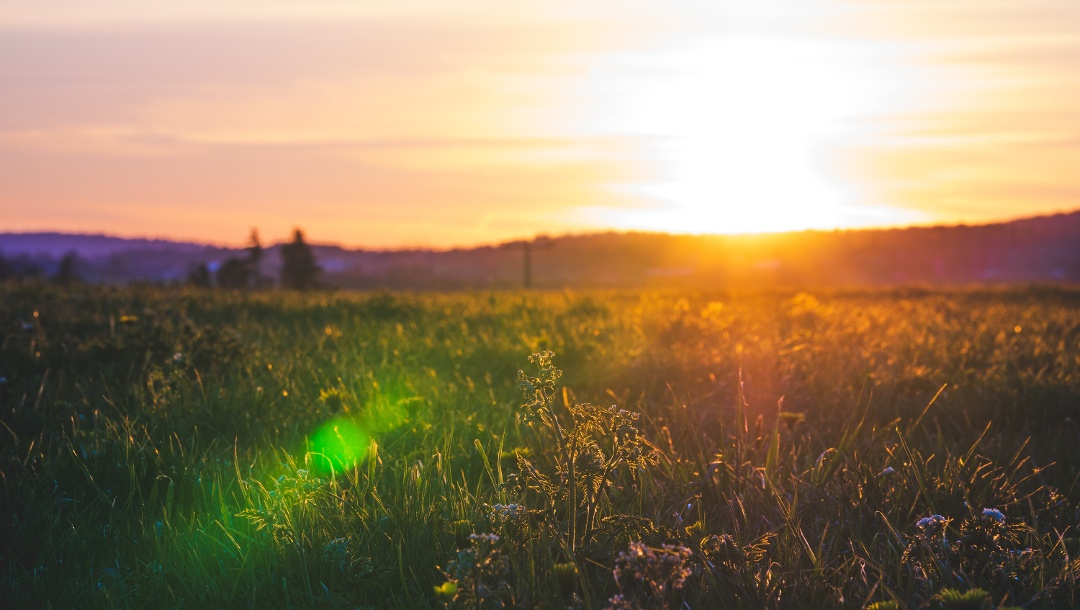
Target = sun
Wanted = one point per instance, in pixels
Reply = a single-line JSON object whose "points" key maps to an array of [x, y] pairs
{"points": [[738, 134]]}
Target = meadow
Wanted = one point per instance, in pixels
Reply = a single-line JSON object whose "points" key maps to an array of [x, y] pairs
{"points": [[176, 448]]}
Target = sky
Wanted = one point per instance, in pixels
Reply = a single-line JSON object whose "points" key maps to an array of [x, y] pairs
{"points": [[444, 123]]}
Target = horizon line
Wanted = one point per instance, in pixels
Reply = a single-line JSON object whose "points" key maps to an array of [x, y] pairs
{"points": [[546, 236]]}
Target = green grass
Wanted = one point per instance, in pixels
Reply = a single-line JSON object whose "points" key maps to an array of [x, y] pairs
{"points": [[174, 448]]}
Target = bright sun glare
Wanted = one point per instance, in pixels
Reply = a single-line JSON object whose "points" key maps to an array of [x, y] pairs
{"points": [[740, 131]]}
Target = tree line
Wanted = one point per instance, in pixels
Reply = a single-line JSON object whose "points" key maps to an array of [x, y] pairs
{"points": [[24, 269], [299, 269]]}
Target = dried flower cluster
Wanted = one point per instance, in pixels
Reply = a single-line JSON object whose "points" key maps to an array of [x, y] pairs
{"points": [[479, 575], [646, 576]]}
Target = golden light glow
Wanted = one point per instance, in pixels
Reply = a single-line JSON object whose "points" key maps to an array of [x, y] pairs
{"points": [[742, 129]]}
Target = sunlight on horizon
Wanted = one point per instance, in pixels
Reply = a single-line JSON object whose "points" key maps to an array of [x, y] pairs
{"points": [[742, 131]]}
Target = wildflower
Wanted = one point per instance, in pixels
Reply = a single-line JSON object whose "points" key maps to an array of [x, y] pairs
{"points": [[626, 432], [723, 552], [539, 391], [889, 470], [645, 573], [480, 573], [932, 525], [593, 444], [590, 460], [336, 552], [506, 512], [985, 543], [618, 602], [478, 539]]}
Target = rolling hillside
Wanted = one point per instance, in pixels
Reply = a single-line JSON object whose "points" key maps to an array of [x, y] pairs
{"points": [[1042, 249]]}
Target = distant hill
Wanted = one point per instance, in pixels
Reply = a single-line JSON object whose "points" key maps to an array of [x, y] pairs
{"points": [[1041, 249], [55, 245]]}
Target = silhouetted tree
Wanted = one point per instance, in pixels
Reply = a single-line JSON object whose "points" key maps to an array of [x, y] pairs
{"points": [[6, 272], [200, 276], [65, 273], [25, 269], [234, 274], [299, 271], [239, 273], [254, 258], [254, 248]]}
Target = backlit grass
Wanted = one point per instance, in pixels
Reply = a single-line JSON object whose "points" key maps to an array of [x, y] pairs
{"points": [[173, 448]]}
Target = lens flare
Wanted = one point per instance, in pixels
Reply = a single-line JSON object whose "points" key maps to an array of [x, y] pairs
{"points": [[338, 445]]}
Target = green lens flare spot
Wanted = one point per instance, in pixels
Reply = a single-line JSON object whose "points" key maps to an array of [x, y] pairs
{"points": [[338, 445]]}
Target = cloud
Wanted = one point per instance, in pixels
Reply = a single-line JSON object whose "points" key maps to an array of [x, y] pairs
{"points": [[112, 74], [334, 190], [426, 126]]}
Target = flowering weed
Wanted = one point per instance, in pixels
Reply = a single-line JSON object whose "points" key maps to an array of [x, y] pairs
{"points": [[649, 577], [479, 575], [593, 446]]}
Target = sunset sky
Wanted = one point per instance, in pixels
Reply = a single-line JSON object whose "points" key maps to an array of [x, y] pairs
{"points": [[455, 123]]}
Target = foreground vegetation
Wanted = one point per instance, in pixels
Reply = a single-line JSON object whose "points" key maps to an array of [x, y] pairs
{"points": [[168, 448]]}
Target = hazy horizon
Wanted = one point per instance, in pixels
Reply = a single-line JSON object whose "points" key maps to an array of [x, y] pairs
{"points": [[269, 241], [433, 124]]}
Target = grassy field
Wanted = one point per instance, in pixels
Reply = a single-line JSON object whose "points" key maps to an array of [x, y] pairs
{"points": [[171, 448]]}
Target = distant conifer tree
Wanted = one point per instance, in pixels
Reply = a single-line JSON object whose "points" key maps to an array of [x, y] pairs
{"points": [[254, 260], [241, 273], [299, 271], [234, 274], [6, 272], [65, 273], [200, 276]]}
